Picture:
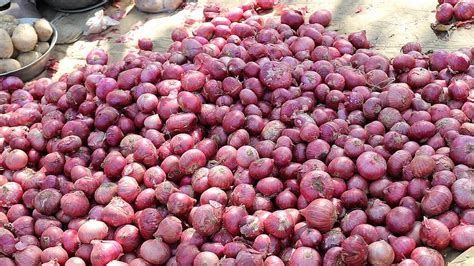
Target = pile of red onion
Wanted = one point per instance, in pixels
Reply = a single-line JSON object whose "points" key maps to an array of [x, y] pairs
{"points": [[252, 141], [449, 11]]}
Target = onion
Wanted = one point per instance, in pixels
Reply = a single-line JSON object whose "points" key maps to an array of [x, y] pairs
{"points": [[461, 237], [366, 231], [48, 201], [402, 247], [80, 201], [279, 224], [354, 198], [185, 253], [352, 220], [305, 255], [128, 236], [155, 251], [169, 230], [377, 211], [255, 140], [51, 237], [320, 214], [54, 253], [310, 237], [179, 203], [436, 200], [205, 258], [333, 256], [207, 218], [462, 190], [380, 253], [371, 166], [427, 256], [354, 250], [104, 251], [458, 61], [321, 16], [31, 255], [394, 192], [434, 234], [397, 226], [316, 184]]}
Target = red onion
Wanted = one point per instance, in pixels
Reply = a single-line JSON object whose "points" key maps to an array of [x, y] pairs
{"points": [[207, 219], [47, 201], [316, 184], [180, 203], [205, 258], [366, 231], [394, 192], [169, 230], [70, 241], [402, 247], [261, 140], [397, 226], [377, 211], [128, 236], [380, 253], [354, 198], [354, 250], [371, 165], [54, 253], [305, 255], [321, 16], [333, 256], [31, 255], [434, 234], [117, 212], [427, 256], [461, 237], [155, 251], [232, 217], [310, 237], [51, 237], [185, 253], [81, 204], [352, 220], [279, 224], [444, 12], [462, 190], [320, 214], [436, 200], [467, 217]]}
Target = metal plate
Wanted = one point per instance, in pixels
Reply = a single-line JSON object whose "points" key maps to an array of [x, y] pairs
{"points": [[32, 70], [83, 9]]}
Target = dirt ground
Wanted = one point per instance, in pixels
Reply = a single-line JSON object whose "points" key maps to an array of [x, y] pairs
{"points": [[389, 25]]}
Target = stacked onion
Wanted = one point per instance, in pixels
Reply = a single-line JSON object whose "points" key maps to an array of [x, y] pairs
{"points": [[251, 140]]}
